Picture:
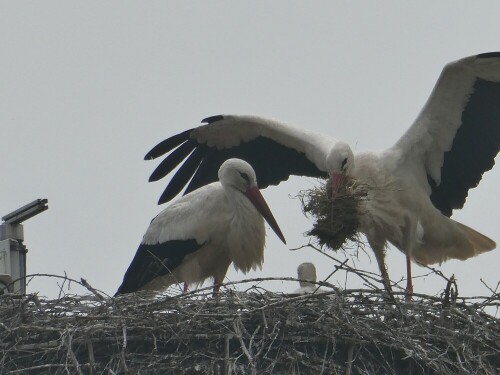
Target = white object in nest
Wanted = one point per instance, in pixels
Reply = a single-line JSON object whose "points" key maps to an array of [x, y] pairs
{"points": [[306, 272]]}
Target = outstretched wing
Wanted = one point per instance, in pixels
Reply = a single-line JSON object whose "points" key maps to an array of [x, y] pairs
{"points": [[456, 137], [275, 151]]}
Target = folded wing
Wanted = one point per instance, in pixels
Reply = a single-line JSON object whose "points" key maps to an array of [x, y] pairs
{"points": [[152, 261]]}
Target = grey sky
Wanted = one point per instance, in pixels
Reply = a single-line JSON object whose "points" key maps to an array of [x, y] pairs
{"points": [[87, 88]]}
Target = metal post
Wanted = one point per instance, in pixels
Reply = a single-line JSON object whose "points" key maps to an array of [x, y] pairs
{"points": [[12, 250]]}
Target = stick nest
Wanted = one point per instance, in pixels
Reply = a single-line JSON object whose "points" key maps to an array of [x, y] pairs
{"points": [[258, 332], [336, 220]]}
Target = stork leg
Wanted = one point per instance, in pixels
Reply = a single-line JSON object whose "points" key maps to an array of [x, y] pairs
{"points": [[380, 256], [216, 292], [217, 284], [409, 284], [378, 246], [185, 289], [409, 242], [220, 274]]}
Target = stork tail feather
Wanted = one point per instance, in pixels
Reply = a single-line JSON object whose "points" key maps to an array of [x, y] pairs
{"points": [[480, 242]]}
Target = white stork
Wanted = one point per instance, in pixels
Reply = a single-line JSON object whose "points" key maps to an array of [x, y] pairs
{"points": [[416, 183], [203, 232], [306, 273]]}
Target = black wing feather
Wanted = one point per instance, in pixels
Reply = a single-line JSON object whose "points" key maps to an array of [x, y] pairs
{"points": [[207, 171], [173, 160], [183, 175], [168, 144], [152, 261], [209, 120], [474, 148], [488, 55]]}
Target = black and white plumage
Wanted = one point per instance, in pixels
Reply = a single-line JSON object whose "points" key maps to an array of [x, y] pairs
{"points": [[416, 183], [202, 233]]}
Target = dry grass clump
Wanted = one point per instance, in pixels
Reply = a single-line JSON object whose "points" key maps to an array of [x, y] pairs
{"points": [[336, 220], [258, 332]]}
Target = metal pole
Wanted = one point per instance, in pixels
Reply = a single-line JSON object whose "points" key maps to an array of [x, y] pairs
{"points": [[12, 250]]}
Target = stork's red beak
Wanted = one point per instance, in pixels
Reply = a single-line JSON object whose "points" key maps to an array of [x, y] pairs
{"points": [[253, 193], [337, 179]]}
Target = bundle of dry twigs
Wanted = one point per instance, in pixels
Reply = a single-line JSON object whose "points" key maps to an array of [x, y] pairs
{"points": [[257, 332], [336, 221]]}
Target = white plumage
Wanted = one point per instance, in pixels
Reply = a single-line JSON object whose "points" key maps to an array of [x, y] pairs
{"points": [[306, 272], [202, 233], [414, 185]]}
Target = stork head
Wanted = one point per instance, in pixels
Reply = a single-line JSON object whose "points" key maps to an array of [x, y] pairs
{"points": [[239, 175], [307, 273], [339, 163]]}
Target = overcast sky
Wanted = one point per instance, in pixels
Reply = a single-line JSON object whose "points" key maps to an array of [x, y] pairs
{"points": [[87, 88]]}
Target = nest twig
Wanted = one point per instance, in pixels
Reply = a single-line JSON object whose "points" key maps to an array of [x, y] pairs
{"points": [[351, 331], [336, 220]]}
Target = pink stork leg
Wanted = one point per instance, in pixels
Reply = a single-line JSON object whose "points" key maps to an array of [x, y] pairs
{"points": [[185, 289], [219, 276], [409, 284], [411, 240]]}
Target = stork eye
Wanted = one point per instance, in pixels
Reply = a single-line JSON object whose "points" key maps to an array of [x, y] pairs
{"points": [[245, 177], [344, 162]]}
